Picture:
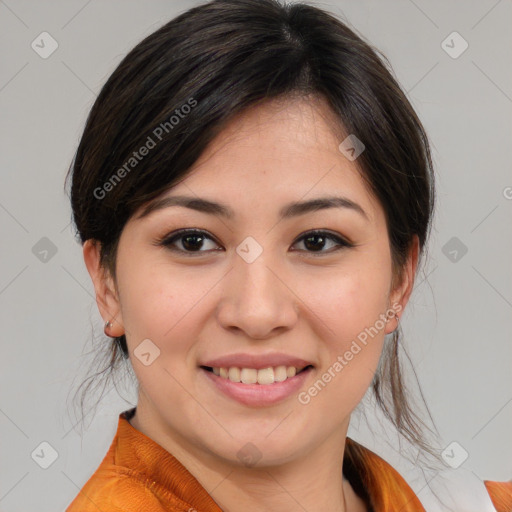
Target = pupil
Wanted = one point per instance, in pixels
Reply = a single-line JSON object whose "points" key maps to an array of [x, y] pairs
{"points": [[314, 237], [187, 238]]}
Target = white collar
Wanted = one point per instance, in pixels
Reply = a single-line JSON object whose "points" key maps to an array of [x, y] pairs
{"points": [[459, 490]]}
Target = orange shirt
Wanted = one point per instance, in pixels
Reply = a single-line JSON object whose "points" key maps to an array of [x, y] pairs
{"points": [[137, 474]]}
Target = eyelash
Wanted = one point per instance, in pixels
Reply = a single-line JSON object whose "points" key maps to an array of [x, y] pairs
{"points": [[168, 240]]}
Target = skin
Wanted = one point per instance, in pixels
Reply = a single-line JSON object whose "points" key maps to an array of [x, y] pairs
{"points": [[311, 303]]}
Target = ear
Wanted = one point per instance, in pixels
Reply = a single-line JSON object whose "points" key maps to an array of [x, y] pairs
{"points": [[399, 296], [106, 294]]}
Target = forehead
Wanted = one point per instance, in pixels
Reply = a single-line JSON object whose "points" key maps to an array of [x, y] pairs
{"points": [[274, 153], [290, 140], [292, 124]]}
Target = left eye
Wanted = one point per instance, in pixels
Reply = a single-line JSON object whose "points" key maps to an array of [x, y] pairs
{"points": [[192, 241], [318, 238]]}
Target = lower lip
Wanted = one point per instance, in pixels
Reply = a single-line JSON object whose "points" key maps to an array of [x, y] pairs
{"points": [[258, 395]]}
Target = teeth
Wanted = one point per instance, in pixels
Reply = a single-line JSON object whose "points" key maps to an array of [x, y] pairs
{"points": [[247, 376], [264, 376], [234, 374], [280, 373]]}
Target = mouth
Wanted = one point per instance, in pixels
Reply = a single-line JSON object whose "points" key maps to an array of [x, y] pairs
{"points": [[257, 387], [263, 376]]}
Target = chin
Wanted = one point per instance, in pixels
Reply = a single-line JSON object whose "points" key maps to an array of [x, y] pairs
{"points": [[257, 446]]}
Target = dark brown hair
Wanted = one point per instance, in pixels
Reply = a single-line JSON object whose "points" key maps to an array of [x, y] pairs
{"points": [[185, 81]]}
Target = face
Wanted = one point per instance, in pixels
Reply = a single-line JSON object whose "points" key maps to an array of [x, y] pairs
{"points": [[266, 285]]}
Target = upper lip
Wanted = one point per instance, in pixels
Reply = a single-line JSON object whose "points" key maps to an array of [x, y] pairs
{"points": [[256, 361]]}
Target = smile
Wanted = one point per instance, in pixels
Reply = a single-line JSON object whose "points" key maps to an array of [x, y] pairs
{"points": [[264, 376], [256, 387]]}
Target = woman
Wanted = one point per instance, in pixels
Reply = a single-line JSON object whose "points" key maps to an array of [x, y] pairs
{"points": [[254, 192]]}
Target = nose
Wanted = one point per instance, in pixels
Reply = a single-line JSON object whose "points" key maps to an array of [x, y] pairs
{"points": [[257, 298]]}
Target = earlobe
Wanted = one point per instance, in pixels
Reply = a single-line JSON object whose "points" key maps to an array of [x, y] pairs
{"points": [[106, 295], [400, 296]]}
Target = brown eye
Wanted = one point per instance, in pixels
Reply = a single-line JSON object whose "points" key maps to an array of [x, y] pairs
{"points": [[187, 241], [316, 241], [192, 242]]}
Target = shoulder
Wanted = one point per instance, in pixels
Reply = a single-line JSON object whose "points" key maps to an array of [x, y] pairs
{"points": [[448, 490], [119, 489], [381, 484], [137, 474], [501, 494], [115, 490]]}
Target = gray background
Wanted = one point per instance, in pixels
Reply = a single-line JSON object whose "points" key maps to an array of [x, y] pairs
{"points": [[457, 326]]}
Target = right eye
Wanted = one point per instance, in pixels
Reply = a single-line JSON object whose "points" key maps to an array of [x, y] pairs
{"points": [[191, 241]]}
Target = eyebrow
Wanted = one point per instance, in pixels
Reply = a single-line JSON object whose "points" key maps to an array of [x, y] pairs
{"points": [[288, 211]]}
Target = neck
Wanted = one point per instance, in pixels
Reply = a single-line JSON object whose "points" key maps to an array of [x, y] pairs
{"points": [[313, 482]]}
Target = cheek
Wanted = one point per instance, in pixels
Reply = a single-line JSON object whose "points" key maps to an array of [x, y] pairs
{"points": [[350, 310], [158, 305], [158, 300], [348, 302], [166, 306]]}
